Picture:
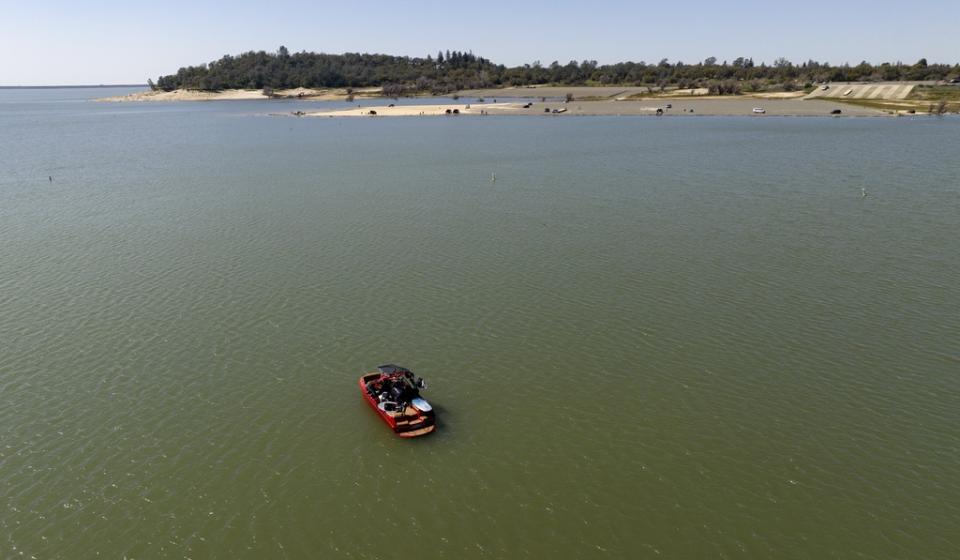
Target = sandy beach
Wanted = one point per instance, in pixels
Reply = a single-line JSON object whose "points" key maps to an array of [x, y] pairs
{"points": [[241, 94], [586, 93], [716, 106], [536, 92]]}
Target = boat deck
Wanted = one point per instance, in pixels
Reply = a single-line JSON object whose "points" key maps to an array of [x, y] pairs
{"points": [[407, 416], [417, 432]]}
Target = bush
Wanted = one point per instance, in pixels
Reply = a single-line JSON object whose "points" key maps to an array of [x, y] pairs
{"points": [[726, 87], [393, 90]]}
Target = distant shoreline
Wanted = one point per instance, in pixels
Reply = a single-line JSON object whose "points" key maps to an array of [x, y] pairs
{"points": [[849, 98], [844, 100], [76, 87]]}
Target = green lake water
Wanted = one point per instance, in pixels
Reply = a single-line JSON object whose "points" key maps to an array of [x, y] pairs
{"points": [[649, 338]]}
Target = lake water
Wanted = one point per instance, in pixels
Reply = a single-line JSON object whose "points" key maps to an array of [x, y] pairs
{"points": [[649, 338]]}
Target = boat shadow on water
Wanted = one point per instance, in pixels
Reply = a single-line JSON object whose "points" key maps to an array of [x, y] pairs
{"points": [[441, 420]]}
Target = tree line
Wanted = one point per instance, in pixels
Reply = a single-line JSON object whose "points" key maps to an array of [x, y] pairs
{"points": [[454, 70]]}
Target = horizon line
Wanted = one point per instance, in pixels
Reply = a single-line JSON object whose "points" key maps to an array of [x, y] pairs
{"points": [[64, 86]]}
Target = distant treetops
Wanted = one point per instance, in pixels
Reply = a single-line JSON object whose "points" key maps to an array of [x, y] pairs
{"points": [[454, 70]]}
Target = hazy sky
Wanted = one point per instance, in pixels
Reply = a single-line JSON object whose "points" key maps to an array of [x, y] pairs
{"points": [[103, 41]]}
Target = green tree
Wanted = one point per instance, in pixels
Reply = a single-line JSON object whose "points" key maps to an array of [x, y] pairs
{"points": [[453, 70]]}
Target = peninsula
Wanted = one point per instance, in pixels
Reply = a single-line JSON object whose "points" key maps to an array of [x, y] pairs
{"points": [[886, 88]]}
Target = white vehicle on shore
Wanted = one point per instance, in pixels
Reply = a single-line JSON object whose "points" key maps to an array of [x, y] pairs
{"points": [[759, 110]]}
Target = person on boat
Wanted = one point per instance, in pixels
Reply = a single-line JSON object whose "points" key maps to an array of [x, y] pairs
{"points": [[396, 392]]}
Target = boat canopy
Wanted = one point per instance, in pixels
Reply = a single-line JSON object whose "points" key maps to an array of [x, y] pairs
{"points": [[390, 369]]}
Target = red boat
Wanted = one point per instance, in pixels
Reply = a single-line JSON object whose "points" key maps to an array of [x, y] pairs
{"points": [[394, 392]]}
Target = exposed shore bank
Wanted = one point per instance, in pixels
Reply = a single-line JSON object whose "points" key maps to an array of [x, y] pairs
{"points": [[709, 106], [541, 100], [243, 94]]}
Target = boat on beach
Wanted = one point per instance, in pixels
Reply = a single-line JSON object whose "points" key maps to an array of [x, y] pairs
{"points": [[394, 393]]}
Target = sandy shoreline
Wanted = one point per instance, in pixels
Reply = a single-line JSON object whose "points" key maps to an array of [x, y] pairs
{"points": [[241, 94], [601, 101], [843, 99], [704, 106]]}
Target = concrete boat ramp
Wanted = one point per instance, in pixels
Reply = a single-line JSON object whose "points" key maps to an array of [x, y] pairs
{"points": [[891, 91]]}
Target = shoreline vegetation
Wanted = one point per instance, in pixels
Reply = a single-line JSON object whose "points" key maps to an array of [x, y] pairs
{"points": [[929, 88], [455, 71]]}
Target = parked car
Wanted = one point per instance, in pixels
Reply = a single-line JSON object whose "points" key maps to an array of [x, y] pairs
{"points": [[759, 110]]}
